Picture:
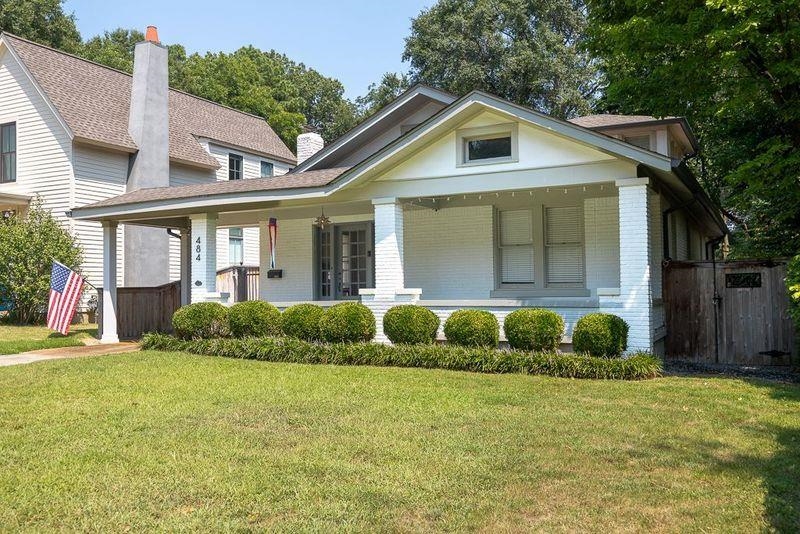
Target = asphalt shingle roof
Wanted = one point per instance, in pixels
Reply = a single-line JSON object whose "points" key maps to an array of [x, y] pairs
{"points": [[94, 101], [608, 120], [298, 180]]}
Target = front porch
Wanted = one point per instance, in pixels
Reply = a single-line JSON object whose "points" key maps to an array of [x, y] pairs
{"points": [[551, 247]]}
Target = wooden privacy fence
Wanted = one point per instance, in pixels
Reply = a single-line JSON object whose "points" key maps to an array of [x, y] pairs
{"points": [[144, 309], [240, 281], [743, 319]]}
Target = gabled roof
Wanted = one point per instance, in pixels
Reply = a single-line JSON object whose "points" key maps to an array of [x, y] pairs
{"points": [[611, 121], [415, 93], [94, 101]]}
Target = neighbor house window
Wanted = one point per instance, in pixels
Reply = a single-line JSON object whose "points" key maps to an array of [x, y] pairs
{"points": [[235, 245], [563, 247], [234, 167], [642, 141], [267, 169], [8, 152], [516, 247]]}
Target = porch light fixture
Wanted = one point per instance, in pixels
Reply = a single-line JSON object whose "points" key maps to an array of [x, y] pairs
{"points": [[7, 214], [322, 221]]}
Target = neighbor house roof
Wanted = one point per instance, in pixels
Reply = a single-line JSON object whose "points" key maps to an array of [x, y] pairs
{"points": [[606, 120], [94, 101], [301, 180]]}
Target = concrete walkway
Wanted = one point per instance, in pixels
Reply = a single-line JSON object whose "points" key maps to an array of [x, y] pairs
{"points": [[67, 352]]}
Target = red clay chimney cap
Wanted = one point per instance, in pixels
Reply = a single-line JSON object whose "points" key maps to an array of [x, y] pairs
{"points": [[152, 35]]}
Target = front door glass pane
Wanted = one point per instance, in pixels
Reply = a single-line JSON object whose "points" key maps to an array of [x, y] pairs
{"points": [[352, 262]]}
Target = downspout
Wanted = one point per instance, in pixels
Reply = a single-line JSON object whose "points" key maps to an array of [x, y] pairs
{"points": [[172, 233], [717, 298]]}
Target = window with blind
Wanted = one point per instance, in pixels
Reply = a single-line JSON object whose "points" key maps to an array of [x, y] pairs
{"points": [[235, 246], [516, 247], [563, 247], [8, 152]]}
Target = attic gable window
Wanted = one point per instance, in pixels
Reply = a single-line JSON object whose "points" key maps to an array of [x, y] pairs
{"points": [[8, 153], [486, 145], [267, 169], [234, 167]]}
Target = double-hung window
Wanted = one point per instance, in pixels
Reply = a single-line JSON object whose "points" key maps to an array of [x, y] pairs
{"points": [[235, 246], [8, 153], [563, 247], [234, 167], [516, 247], [267, 169]]}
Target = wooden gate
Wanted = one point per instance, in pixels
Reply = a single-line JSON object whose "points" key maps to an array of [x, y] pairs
{"points": [[741, 319], [144, 309]]}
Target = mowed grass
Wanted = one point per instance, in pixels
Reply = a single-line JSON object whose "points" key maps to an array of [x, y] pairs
{"points": [[173, 441], [16, 339]]}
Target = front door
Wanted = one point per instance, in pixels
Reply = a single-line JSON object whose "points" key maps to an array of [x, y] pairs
{"points": [[345, 261]]}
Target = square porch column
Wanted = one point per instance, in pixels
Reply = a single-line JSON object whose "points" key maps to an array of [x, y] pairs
{"points": [[389, 274], [204, 257], [109, 313], [390, 287], [635, 299]]}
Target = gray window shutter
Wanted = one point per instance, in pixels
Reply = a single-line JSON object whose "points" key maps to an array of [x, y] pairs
{"points": [[564, 244]]}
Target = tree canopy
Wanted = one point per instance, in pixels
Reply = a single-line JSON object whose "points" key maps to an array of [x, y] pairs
{"points": [[731, 67], [523, 50], [42, 21]]}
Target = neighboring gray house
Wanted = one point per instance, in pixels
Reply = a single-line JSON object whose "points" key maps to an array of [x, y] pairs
{"points": [[447, 202], [74, 132]]}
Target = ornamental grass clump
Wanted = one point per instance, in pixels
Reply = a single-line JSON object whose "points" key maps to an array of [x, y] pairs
{"points": [[424, 355], [472, 328], [600, 334], [301, 321], [410, 324], [534, 329], [347, 322], [202, 320], [254, 318]]}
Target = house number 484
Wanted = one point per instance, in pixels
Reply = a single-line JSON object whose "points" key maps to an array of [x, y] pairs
{"points": [[197, 249]]}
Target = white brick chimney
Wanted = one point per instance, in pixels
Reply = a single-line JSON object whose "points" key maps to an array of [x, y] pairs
{"points": [[308, 144]]}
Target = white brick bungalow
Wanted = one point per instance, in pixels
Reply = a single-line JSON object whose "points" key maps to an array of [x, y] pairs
{"points": [[451, 203]]}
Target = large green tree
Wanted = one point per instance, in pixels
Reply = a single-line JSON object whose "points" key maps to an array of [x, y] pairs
{"points": [[523, 50], [42, 21], [732, 67], [379, 94]]}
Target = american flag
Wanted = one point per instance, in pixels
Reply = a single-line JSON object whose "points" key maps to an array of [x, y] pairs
{"points": [[65, 292]]}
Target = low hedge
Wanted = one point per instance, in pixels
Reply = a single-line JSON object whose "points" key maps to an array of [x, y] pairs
{"points": [[301, 321], [408, 323], [347, 322], [472, 328], [254, 318], [201, 320], [534, 329], [600, 334], [484, 360]]}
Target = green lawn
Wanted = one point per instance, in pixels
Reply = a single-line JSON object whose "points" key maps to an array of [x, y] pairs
{"points": [[16, 339], [173, 441]]}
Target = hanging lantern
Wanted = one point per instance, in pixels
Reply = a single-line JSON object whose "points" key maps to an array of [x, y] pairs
{"points": [[322, 221]]}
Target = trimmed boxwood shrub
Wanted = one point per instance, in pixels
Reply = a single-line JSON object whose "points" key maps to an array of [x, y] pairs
{"points": [[410, 324], [201, 320], [254, 318], [534, 329], [427, 355], [472, 328], [600, 334], [301, 321], [347, 322]]}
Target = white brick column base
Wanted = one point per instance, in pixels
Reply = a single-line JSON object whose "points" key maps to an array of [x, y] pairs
{"points": [[204, 258], [389, 275], [634, 303], [380, 304]]}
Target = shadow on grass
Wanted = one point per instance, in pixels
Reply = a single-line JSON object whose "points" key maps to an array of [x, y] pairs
{"points": [[73, 333], [779, 474]]}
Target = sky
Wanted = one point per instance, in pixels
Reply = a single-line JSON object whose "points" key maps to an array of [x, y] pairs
{"points": [[355, 41]]}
